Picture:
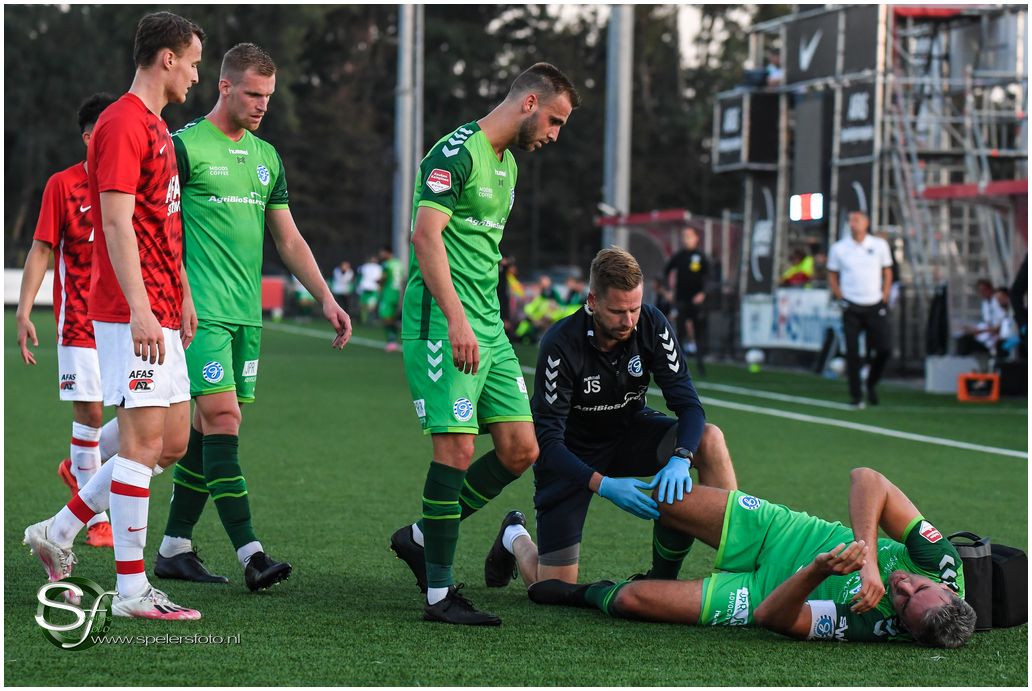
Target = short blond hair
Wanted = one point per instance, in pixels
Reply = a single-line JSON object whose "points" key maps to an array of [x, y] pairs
{"points": [[614, 268]]}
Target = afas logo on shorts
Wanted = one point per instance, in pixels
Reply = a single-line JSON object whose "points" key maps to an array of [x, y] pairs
{"points": [[928, 532], [463, 409], [213, 372], [67, 382], [141, 380], [439, 180]]}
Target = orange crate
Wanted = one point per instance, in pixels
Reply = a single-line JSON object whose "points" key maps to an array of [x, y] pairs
{"points": [[978, 388]]}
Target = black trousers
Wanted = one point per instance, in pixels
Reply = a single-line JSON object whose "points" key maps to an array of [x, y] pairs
{"points": [[873, 321]]}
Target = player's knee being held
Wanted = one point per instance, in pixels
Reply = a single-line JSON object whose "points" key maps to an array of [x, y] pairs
{"points": [[712, 442]]}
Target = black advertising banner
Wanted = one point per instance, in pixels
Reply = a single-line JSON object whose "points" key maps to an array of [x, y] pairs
{"points": [[810, 47], [729, 130], [861, 38], [762, 217], [853, 194], [812, 143], [763, 128], [856, 129]]}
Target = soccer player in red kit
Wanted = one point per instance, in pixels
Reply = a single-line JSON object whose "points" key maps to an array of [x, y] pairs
{"points": [[65, 229], [140, 304]]}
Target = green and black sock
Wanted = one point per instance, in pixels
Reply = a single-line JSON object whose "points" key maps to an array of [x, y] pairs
{"points": [[669, 549], [227, 487], [485, 480], [440, 523], [189, 490], [603, 594]]}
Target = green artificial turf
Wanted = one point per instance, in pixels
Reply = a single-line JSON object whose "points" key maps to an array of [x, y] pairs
{"points": [[335, 462]]}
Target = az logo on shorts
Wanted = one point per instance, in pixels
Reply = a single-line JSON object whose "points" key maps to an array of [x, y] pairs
{"points": [[749, 502], [463, 410], [213, 372]]}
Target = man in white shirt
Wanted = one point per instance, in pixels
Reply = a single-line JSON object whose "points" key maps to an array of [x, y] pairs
{"points": [[860, 278], [369, 275], [983, 337]]}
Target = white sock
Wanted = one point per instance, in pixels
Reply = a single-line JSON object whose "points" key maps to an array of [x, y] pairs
{"points": [[248, 551], [417, 535], [171, 546], [510, 535], [109, 439], [130, 500], [85, 458], [157, 470], [435, 595], [91, 501]]}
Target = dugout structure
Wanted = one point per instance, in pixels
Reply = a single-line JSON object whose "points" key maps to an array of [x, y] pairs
{"points": [[916, 115]]}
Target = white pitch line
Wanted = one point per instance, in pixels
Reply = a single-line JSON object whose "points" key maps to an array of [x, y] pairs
{"points": [[743, 407], [759, 393]]}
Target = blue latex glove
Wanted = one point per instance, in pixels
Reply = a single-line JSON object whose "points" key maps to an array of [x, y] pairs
{"points": [[625, 492], [674, 480]]}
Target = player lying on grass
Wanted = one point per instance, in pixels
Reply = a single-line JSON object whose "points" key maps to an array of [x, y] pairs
{"points": [[800, 575]]}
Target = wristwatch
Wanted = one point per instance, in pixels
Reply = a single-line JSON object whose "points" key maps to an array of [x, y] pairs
{"points": [[682, 452]]}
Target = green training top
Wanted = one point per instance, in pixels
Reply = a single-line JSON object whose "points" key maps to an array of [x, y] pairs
{"points": [[462, 177], [392, 275], [226, 188]]}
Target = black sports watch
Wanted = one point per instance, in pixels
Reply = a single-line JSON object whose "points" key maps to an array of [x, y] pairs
{"points": [[682, 452]]}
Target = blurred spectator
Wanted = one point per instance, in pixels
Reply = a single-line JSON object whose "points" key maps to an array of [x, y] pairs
{"points": [[1019, 302], [775, 75], [799, 274], [343, 284], [540, 313], [1009, 336], [662, 301], [369, 275], [389, 300], [576, 293], [691, 268], [983, 336], [510, 292]]}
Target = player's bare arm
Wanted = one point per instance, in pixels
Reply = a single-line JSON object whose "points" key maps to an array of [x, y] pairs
{"points": [[874, 501], [433, 264], [785, 610], [188, 327], [886, 283], [32, 278], [833, 284], [116, 210], [297, 255]]}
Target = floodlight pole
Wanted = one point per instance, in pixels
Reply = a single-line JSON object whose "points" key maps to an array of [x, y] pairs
{"points": [[408, 120], [616, 189]]}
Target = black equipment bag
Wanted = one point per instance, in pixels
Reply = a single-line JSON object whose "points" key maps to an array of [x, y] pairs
{"points": [[1010, 586], [978, 575]]}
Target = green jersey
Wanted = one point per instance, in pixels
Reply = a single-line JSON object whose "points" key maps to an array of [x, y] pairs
{"points": [[924, 551], [462, 177], [391, 275], [226, 188]]}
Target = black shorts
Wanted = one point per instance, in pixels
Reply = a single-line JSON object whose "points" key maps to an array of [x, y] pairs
{"points": [[562, 506]]}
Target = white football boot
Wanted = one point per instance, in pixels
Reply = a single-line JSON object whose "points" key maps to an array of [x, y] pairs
{"points": [[152, 604], [57, 561]]}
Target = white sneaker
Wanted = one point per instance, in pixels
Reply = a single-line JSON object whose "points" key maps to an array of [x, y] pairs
{"points": [[57, 561], [152, 604]]}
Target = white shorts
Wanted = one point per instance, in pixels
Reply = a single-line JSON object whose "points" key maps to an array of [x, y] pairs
{"points": [[78, 374], [134, 382]]}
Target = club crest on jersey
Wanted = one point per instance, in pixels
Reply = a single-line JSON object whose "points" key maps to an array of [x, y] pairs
{"points": [[463, 410], [213, 372], [747, 501], [263, 174], [438, 180], [928, 532], [634, 366], [825, 627]]}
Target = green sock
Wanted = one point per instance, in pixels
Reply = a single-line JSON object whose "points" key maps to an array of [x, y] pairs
{"points": [[189, 490], [227, 487], [602, 594], [669, 548], [485, 480], [440, 524]]}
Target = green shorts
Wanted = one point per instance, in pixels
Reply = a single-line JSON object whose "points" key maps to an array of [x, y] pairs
{"points": [[447, 400], [761, 546], [224, 357], [390, 304]]}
